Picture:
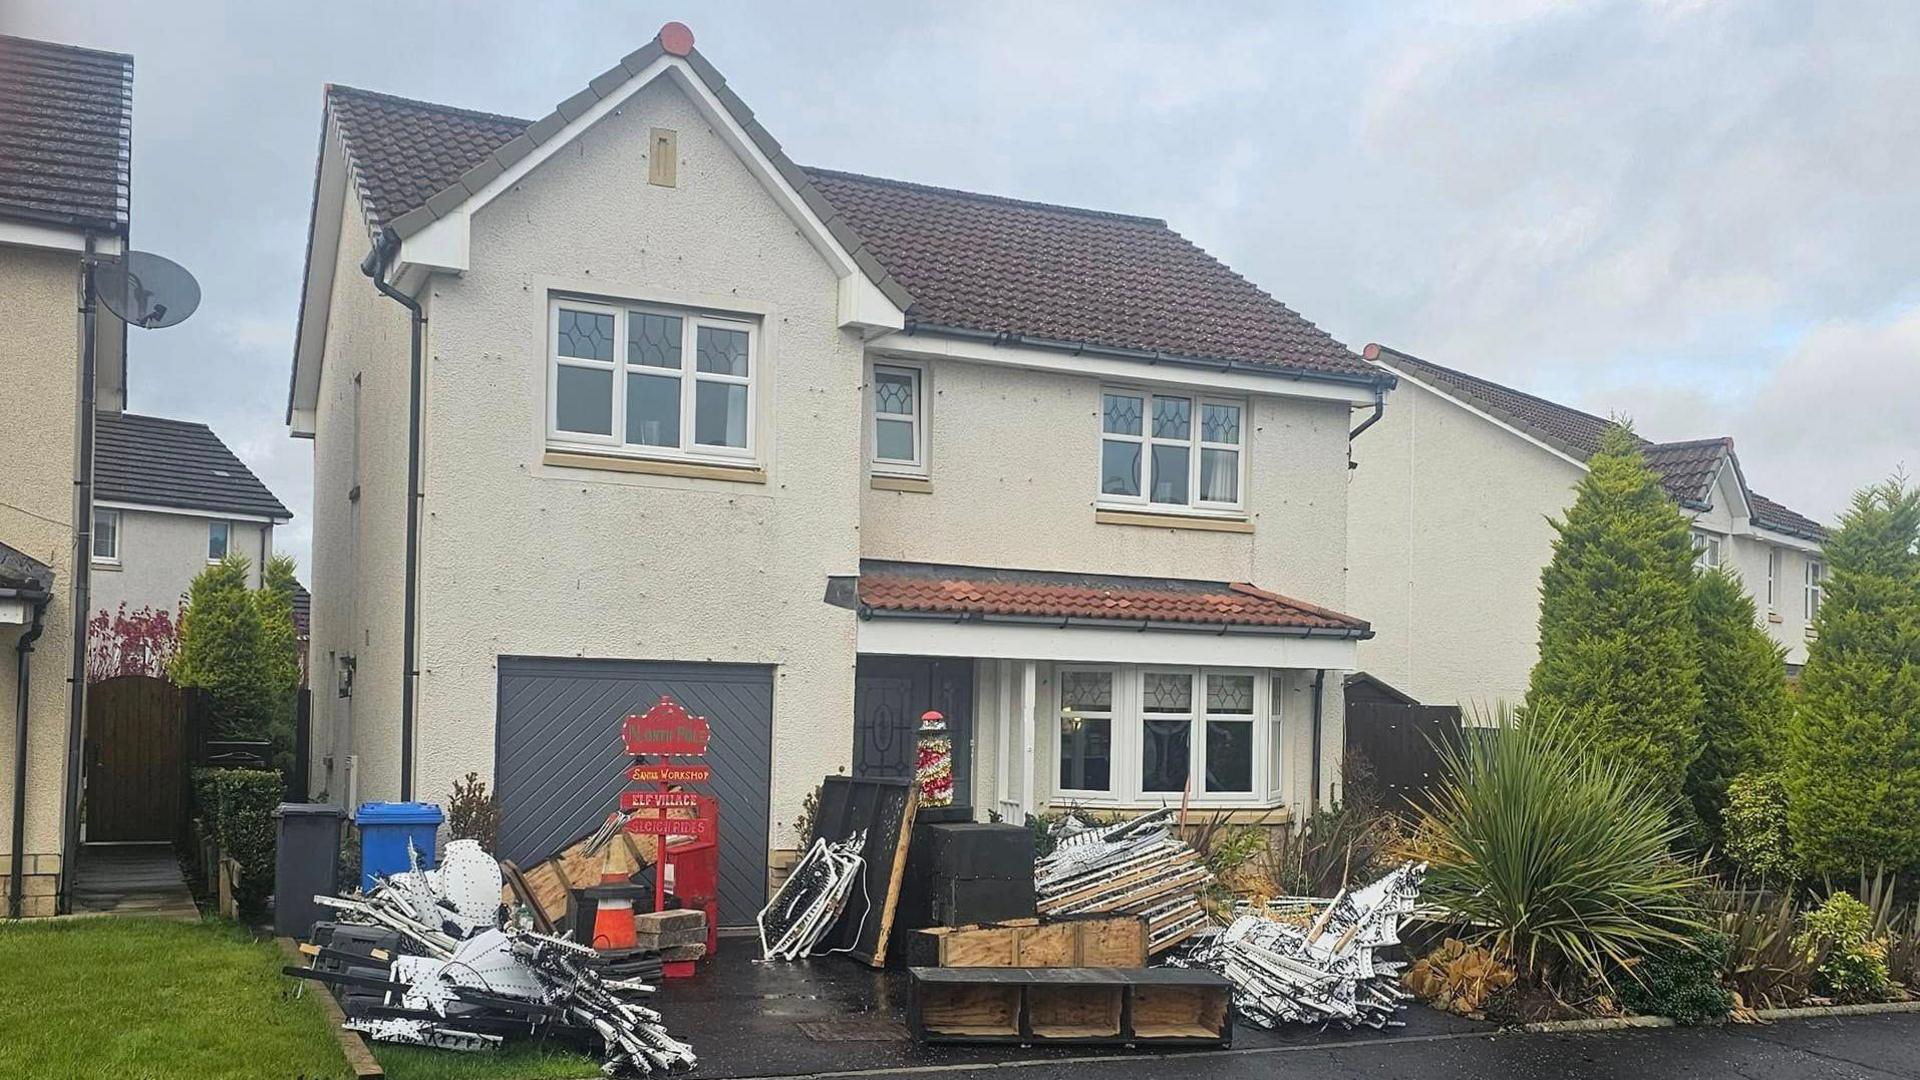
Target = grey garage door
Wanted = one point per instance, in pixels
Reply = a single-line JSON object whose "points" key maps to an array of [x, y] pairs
{"points": [[560, 766]]}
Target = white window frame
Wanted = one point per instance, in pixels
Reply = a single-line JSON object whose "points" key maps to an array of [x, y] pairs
{"points": [[1775, 561], [1127, 748], [1813, 589], [917, 467], [1194, 444], [112, 557], [227, 546], [1706, 550], [690, 376]]}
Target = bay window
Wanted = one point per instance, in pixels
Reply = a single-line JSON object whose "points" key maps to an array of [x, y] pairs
{"points": [[1157, 734], [1171, 451], [652, 380]]}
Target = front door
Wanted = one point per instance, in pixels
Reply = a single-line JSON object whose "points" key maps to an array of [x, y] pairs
{"points": [[889, 695]]}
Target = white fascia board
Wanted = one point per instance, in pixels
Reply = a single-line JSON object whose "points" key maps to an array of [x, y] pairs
{"points": [[1094, 645], [303, 423], [182, 511], [446, 245], [1487, 416], [14, 612], [310, 337], [929, 345], [1797, 543], [56, 238]]}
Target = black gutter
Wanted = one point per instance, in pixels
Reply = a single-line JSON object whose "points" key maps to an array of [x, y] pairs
{"points": [[16, 875], [1149, 356], [375, 267], [82, 581], [1313, 796]]}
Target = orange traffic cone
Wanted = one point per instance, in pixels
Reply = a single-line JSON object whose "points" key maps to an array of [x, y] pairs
{"points": [[613, 919]]}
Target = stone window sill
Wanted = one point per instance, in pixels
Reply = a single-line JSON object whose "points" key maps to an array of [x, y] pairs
{"points": [[738, 474], [1172, 521]]}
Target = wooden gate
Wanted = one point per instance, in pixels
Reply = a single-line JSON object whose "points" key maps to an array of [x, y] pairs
{"points": [[135, 758], [1399, 738]]}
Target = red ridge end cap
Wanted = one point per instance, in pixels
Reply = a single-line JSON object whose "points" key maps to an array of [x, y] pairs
{"points": [[676, 38]]}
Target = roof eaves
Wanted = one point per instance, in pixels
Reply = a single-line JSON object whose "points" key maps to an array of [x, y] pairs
{"points": [[1274, 369]]}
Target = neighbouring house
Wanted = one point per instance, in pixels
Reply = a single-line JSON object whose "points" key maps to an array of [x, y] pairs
{"points": [[1449, 530], [169, 498], [811, 452], [65, 146]]}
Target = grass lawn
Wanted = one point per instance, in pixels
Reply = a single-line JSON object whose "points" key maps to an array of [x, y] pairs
{"points": [[140, 997], [145, 998]]}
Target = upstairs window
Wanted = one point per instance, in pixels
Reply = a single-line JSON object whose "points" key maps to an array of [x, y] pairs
{"points": [[106, 536], [1815, 574], [1773, 579], [658, 381], [1169, 451], [899, 420], [219, 539], [1706, 551]]}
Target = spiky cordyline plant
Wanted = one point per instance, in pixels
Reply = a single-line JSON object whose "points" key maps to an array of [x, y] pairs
{"points": [[1557, 858]]}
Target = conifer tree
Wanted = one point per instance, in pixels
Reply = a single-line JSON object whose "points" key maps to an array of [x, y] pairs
{"points": [[1618, 653], [1743, 691], [221, 649], [1853, 761]]}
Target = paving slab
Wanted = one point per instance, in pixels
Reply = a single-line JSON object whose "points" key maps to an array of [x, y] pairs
{"points": [[132, 879]]}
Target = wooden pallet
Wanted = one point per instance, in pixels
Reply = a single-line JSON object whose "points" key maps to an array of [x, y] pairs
{"points": [[1086, 1006], [1112, 941]]}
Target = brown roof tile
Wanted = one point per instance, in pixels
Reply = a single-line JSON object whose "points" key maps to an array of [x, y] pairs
{"points": [[932, 589], [66, 134], [1689, 468], [1053, 274], [1771, 515]]}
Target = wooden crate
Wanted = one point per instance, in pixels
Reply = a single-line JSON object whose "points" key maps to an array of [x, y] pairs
{"points": [[1113, 941], [1111, 1006]]}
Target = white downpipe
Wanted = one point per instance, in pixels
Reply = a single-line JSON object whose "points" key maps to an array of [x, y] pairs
{"points": [[1029, 706]]}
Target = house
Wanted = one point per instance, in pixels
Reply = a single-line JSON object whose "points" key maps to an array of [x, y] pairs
{"points": [[65, 145], [1449, 530], [169, 498], [622, 403]]}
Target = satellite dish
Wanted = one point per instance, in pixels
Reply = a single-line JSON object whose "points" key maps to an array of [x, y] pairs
{"points": [[146, 290]]}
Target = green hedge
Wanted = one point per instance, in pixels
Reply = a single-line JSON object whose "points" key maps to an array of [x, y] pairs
{"points": [[236, 806]]}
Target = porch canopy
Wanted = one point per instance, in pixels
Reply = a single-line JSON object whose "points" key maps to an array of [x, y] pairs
{"points": [[932, 609], [1165, 688]]}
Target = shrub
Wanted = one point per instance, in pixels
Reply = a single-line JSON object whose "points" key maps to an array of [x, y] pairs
{"points": [[1618, 653], [1766, 965], [1459, 978], [1682, 982], [1754, 828], [1743, 696], [137, 643], [221, 651], [242, 802], [1853, 761], [1855, 968], [279, 654], [1336, 847], [1558, 856], [473, 813]]}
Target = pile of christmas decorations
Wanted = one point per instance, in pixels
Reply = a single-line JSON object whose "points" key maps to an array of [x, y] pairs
{"points": [[1317, 962], [1136, 867], [428, 959]]}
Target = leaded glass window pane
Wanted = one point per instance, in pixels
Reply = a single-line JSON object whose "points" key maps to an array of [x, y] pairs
{"points": [[1086, 753], [1172, 418], [1121, 415], [1170, 474], [1165, 751], [583, 399], [893, 440], [1166, 692], [722, 351], [893, 393], [1220, 475], [1119, 467], [653, 410], [720, 413], [587, 335], [1220, 423], [1229, 755], [1087, 691], [1232, 694], [653, 340]]}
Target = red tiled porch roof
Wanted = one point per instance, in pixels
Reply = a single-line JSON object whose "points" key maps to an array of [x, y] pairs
{"points": [[978, 592]]}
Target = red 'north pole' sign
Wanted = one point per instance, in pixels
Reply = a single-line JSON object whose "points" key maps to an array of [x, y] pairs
{"points": [[666, 730]]}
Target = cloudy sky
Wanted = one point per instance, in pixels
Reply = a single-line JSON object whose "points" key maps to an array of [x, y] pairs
{"points": [[1699, 215]]}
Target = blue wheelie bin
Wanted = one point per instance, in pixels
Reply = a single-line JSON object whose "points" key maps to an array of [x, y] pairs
{"points": [[385, 828]]}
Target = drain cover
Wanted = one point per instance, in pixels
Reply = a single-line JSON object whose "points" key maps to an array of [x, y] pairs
{"points": [[867, 1028]]}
